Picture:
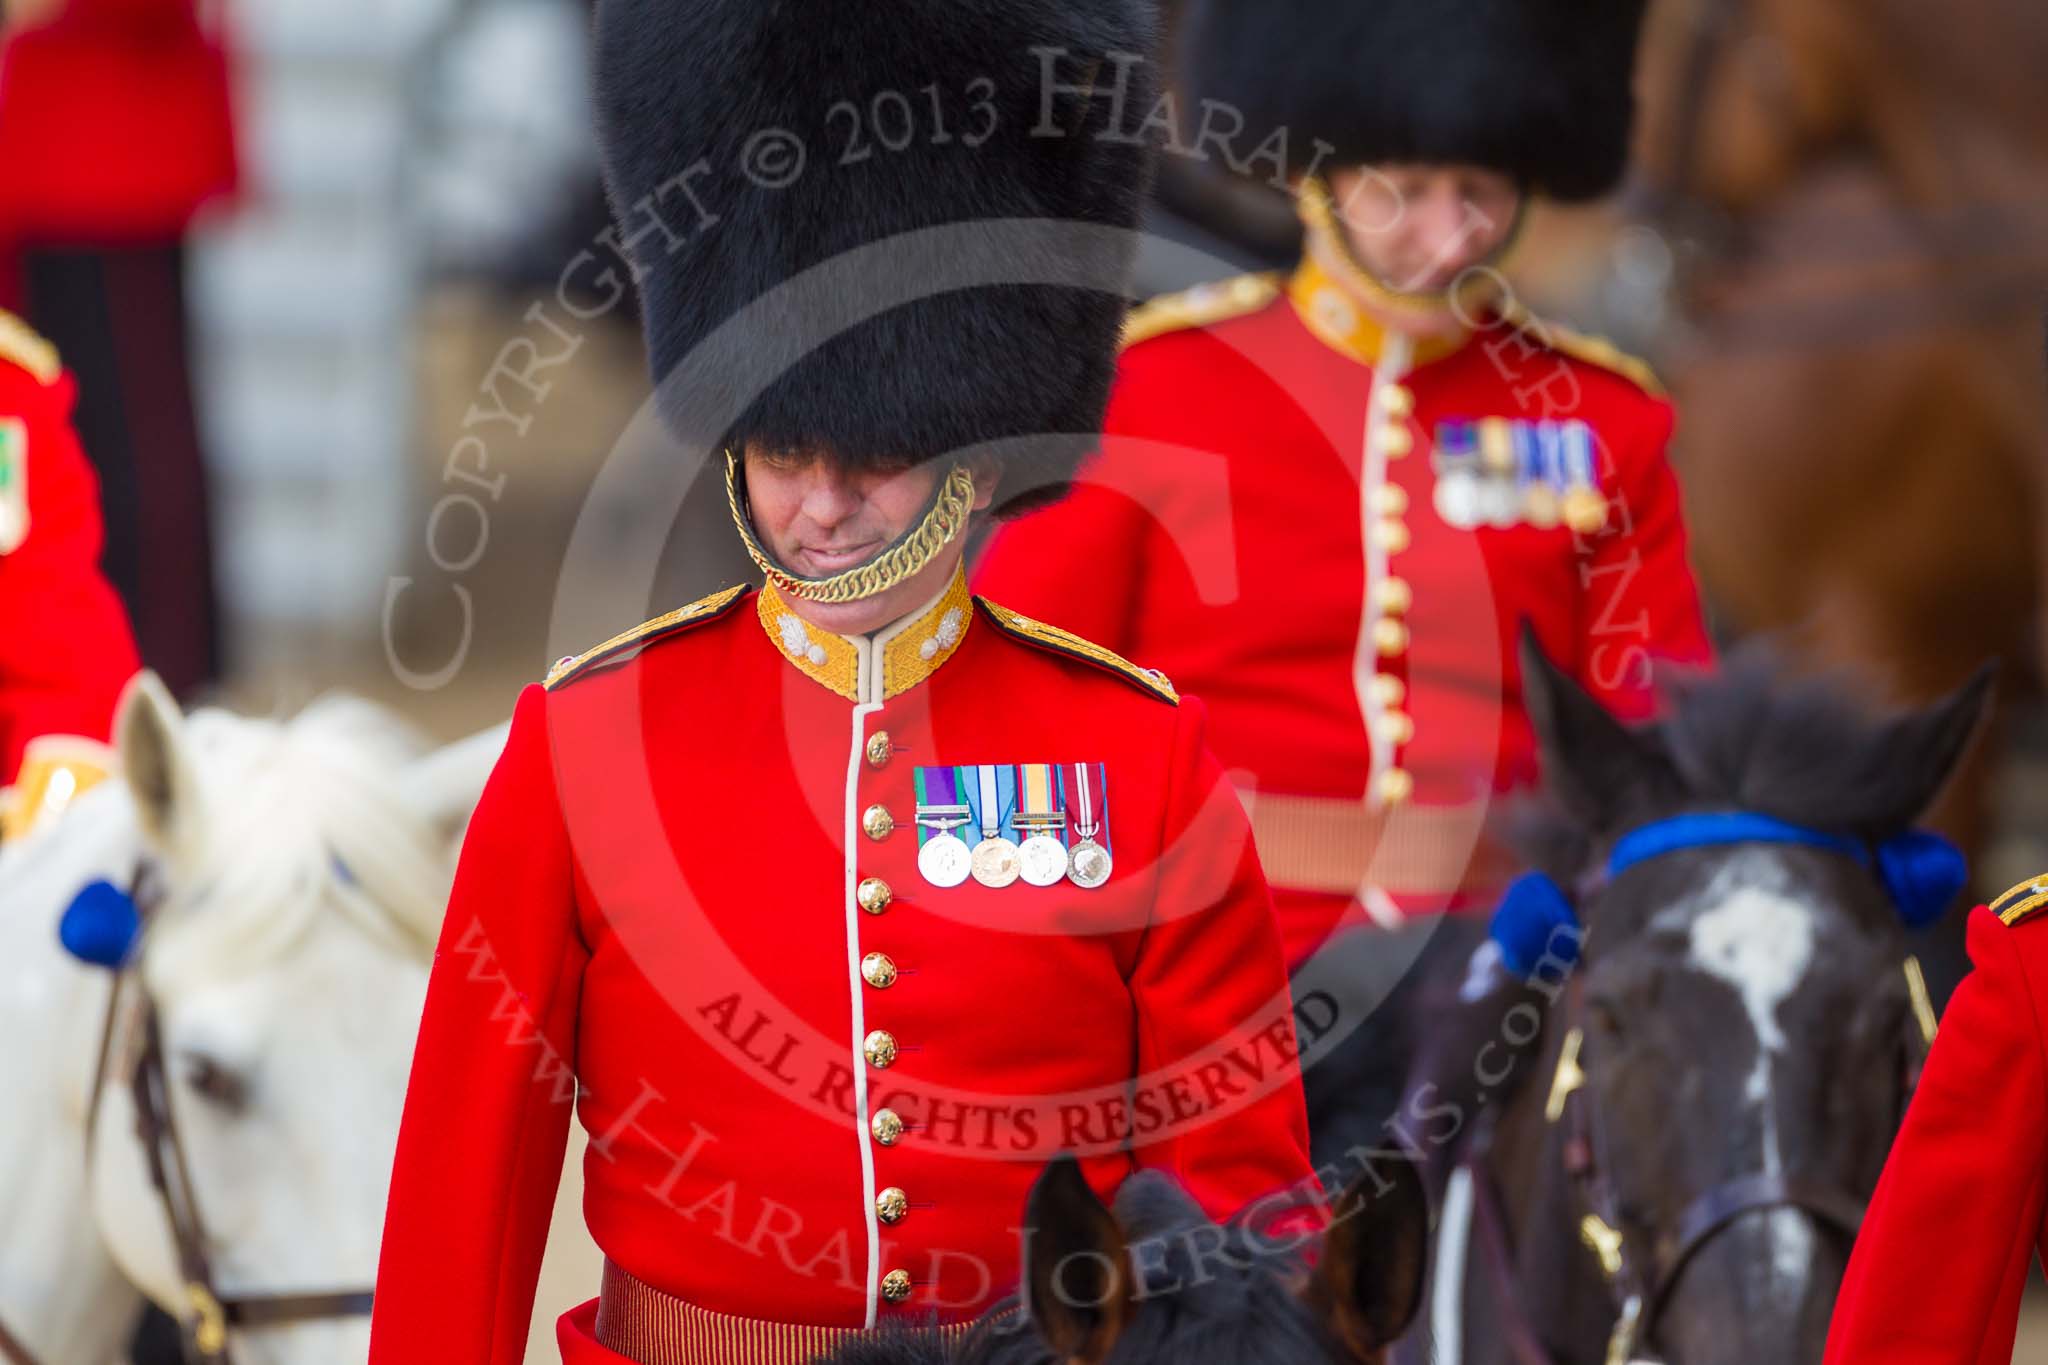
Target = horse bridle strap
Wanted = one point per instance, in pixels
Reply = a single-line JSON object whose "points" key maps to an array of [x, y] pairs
{"points": [[1732, 1199], [205, 1325], [271, 1310]]}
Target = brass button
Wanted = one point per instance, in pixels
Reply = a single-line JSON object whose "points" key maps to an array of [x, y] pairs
{"points": [[1397, 399], [1390, 499], [1396, 440], [873, 894], [1393, 535], [877, 822], [896, 1286], [1396, 727], [1389, 637], [879, 1048], [1395, 596], [1388, 690], [887, 1126], [878, 971], [891, 1204], [1396, 785], [879, 748]]}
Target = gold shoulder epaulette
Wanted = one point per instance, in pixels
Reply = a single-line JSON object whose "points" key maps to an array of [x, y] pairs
{"points": [[26, 347], [2024, 901], [1200, 306], [1054, 640], [682, 618], [1594, 350]]}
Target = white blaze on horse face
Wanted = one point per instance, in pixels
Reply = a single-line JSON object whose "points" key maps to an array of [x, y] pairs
{"points": [[1759, 940]]}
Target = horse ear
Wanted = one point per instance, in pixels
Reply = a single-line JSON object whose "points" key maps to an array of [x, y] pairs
{"points": [[1368, 1281], [1079, 1286], [1923, 747], [443, 786], [1597, 767], [156, 763]]}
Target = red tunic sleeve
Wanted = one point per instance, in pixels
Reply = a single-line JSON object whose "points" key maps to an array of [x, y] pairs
{"points": [[65, 646], [1640, 602], [1219, 1101], [487, 1109], [1937, 1273]]}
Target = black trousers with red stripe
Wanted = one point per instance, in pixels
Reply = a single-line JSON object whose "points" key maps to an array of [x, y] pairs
{"points": [[117, 315]]}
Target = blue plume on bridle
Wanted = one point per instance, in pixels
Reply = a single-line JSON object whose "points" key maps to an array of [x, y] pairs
{"points": [[100, 926], [1922, 872]]}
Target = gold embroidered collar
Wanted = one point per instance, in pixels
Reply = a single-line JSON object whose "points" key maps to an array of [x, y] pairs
{"points": [[1341, 323], [871, 668]]}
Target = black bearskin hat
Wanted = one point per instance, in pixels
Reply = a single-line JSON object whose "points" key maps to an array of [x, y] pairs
{"points": [[1536, 89], [747, 142]]}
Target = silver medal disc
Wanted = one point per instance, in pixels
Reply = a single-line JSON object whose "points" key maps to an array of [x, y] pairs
{"points": [[1090, 864], [1042, 859], [1457, 499], [1500, 504], [995, 862], [944, 860]]}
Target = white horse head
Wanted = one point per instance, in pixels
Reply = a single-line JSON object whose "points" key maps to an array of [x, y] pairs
{"points": [[303, 869]]}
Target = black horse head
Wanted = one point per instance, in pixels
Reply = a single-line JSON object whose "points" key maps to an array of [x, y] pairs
{"points": [[1155, 1282], [1744, 1017]]}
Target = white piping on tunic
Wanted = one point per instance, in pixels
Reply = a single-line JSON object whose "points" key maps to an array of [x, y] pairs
{"points": [[1392, 366], [870, 664], [868, 686]]}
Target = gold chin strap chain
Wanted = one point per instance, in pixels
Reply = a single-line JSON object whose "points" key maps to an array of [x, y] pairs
{"points": [[1470, 294], [943, 521]]}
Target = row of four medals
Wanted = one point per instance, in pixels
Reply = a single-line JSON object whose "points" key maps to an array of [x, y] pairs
{"points": [[1040, 859]]}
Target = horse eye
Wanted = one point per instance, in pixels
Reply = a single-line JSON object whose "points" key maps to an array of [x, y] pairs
{"points": [[215, 1082], [1603, 1017]]}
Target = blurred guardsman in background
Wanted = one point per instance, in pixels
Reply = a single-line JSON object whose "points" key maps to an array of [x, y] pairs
{"points": [[848, 901], [1941, 1262], [1327, 500], [65, 650], [116, 130]]}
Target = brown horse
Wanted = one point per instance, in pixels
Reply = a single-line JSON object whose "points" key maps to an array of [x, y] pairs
{"points": [[1853, 191]]}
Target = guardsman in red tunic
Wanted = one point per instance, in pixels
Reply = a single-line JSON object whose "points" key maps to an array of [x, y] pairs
{"points": [[65, 647], [836, 908], [1941, 1263], [1335, 495], [1333, 503], [116, 131]]}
